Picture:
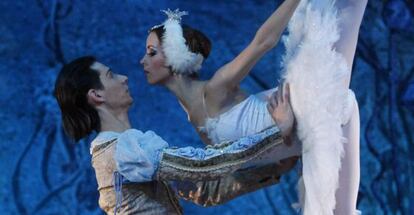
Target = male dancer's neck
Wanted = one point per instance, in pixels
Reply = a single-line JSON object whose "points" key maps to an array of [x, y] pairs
{"points": [[114, 121]]}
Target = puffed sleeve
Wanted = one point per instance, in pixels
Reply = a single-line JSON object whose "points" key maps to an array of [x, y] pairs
{"points": [[137, 154]]}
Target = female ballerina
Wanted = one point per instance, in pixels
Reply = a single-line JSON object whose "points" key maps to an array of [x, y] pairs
{"points": [[220, 111], [208, 103]]}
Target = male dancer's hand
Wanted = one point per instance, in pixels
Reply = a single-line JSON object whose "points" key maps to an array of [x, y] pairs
{"points": [[281, 111]]}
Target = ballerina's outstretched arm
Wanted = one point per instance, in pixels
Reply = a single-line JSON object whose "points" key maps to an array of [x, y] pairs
{"points": [[230, 75], [350, 15]]}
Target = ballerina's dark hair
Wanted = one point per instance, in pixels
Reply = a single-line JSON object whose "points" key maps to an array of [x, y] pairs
{"points": [[196, 41], [74, 81]]}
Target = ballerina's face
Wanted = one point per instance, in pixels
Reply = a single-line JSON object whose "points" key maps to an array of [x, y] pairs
{"points": [[153, 62]]}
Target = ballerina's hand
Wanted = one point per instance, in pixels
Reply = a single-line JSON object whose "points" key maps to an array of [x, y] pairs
{"points": [[281, 111]]}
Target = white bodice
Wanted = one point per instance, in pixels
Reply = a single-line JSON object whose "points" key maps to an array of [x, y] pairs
{"points": [[246, 118], [251, 116]]}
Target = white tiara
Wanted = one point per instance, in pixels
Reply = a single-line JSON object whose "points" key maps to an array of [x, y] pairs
{"points": [[177, 53]]}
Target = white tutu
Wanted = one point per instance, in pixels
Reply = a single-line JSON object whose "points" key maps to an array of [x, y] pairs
{"points": [[316, 72]]}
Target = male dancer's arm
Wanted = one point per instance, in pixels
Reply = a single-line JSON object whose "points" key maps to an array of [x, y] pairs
{"points": [[214, 162], [143, 157], [222, 190]]}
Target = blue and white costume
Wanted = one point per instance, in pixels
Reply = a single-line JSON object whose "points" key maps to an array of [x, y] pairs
{"points": [[131, 169]]}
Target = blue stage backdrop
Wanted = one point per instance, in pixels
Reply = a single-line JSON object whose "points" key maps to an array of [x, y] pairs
{"points": [[45, 173]]}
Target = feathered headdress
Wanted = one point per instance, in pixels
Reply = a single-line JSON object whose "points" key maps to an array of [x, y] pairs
{"points": [[177, 53]]}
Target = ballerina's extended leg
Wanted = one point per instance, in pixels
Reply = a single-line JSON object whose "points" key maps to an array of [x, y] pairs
{"points": [[350, 15]]}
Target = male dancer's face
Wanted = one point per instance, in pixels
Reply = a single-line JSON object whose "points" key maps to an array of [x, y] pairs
{"points": [[115, 93]]}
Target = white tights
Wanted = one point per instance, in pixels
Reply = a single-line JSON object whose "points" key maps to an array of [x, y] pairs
{"points": [[350, 13], [349, 174]]}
